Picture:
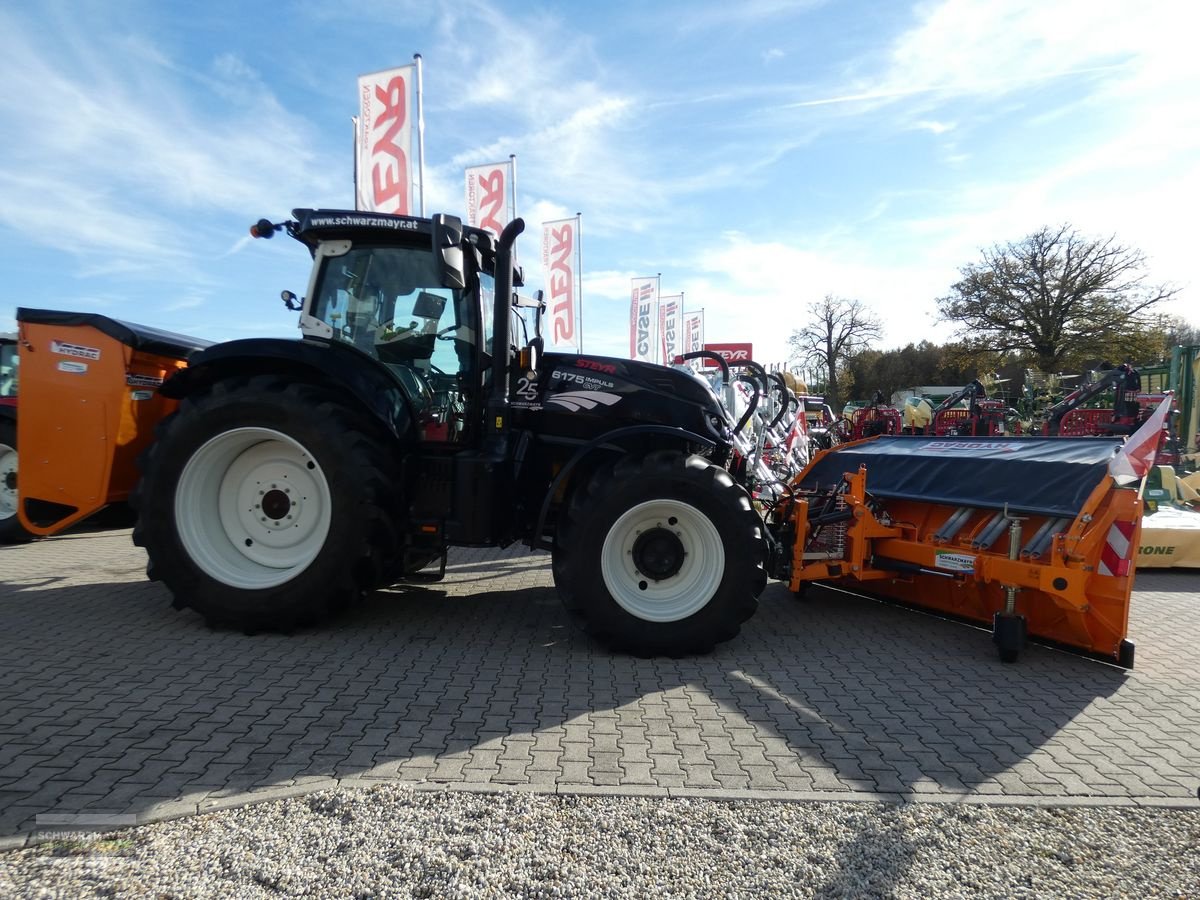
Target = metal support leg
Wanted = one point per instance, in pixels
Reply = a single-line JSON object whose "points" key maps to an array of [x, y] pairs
{"points": [[1008, 628]]}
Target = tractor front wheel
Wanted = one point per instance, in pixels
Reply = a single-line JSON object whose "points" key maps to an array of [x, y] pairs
{"points": [[660, 555]]}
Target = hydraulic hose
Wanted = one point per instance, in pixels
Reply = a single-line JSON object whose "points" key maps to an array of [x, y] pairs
{"points": [[708, 354]]}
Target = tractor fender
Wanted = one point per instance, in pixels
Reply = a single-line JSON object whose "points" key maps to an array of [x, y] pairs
{"points": [[610, 441], [364, 381]]}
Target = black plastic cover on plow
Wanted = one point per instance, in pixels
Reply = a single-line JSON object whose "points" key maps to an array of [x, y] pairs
{"points": [[1042, 476]]}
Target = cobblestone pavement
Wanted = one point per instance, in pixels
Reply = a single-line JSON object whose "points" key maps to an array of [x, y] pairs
{"points": [[111, 702]]}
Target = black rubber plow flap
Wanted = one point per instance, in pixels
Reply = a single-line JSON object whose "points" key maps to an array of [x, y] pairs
{"points": [[1042, 476]]}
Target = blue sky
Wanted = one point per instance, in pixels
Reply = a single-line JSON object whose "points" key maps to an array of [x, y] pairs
{"points": [[759, 154]]}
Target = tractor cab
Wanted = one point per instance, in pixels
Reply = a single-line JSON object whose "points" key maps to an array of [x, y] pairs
{"points": [[415, 295]]}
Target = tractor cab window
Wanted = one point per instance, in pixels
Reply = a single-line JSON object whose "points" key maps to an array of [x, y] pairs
{"points": [[487, 307], [388, 302], [519, 327]]}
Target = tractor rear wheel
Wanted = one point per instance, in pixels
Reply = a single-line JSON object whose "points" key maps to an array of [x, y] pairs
{"points": [[660, 555], [264, 504], [11, 530]]}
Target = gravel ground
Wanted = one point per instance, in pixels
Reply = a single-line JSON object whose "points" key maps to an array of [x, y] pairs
{"points": [[392, 841]]}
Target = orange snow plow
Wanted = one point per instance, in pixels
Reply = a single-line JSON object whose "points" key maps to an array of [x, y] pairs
{"points": [[1029, 535], [89, 404]]}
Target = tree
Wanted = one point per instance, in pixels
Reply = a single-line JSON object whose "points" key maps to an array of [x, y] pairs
{"points": [[1056, 296], [1179, 332], [837, 330], [913, 365]]}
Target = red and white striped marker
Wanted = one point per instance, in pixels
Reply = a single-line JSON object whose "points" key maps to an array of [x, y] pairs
{"points": [[1114, 560]]}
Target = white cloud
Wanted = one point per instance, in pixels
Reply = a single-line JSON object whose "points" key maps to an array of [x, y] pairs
{"points": [[119, 150], [934, 127]]}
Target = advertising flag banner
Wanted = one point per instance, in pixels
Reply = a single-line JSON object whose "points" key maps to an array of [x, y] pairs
{"points": [[670, 309], [693, 331], [643, 319], [693, 335], [384, 170], [1136, 455], [489, 190], [560, 260]]}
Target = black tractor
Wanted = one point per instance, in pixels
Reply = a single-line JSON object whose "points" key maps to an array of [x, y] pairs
{"points": [[418, 412]]}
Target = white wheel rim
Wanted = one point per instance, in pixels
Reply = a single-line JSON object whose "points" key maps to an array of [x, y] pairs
{"points": [[8, 482], [679, 595], [252, 508]]}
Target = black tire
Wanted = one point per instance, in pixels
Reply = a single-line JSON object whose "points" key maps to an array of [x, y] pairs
{"points": [[1009, 634], [681, 518], [280, 456], [11, 530]]}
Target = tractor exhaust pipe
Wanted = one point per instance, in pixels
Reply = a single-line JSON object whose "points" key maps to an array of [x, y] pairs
{"points": [[497, 404]]}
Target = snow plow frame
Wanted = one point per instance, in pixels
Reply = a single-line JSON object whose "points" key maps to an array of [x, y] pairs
{"points": [[1065, 580]]}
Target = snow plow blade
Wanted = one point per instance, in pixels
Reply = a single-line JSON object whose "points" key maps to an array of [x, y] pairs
{"points": [[1028, 535], [89, 404]]}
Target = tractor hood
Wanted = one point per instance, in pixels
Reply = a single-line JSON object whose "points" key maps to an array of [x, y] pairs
{"points": [[581, 397]]}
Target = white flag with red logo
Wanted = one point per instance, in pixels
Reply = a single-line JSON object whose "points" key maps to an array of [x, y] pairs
{"points": [[383, 169], [489, 204], [1136, 455], [560, 260], [693, 333], [669, 337], [643, 319]]}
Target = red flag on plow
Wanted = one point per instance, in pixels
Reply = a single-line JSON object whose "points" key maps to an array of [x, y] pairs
{"points": [[1136, 456]]}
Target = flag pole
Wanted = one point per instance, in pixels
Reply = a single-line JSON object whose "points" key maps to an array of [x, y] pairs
{"points": [[354, 125], [420, 133], [681, 322], [512, 161], [657, 311]]}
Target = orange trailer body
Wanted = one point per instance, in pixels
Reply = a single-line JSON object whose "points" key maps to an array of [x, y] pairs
{"points": [[89, 404]]}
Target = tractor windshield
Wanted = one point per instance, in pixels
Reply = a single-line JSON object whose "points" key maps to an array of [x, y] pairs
{"points": [[388, 302]]}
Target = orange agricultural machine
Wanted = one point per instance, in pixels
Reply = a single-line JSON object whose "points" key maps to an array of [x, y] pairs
{"points": [[1031, 536], [88, 408]]}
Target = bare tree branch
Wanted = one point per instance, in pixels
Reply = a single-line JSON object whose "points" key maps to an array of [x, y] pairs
{"points": [[837, 330]]}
